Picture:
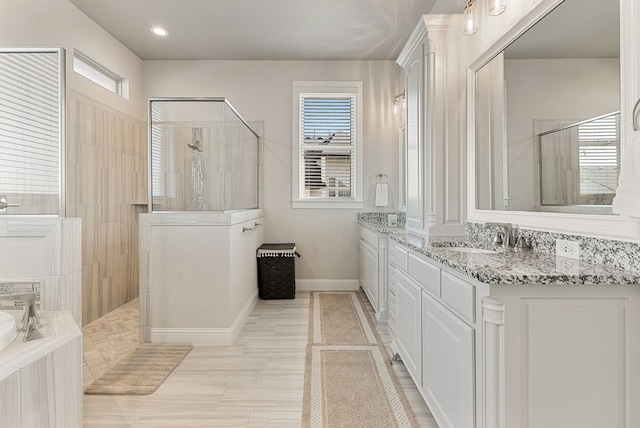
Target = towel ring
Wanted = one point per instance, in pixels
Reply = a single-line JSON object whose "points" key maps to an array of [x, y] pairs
{"points": [[382, 178]]}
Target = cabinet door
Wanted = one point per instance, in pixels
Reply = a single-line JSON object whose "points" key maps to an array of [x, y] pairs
{"points": [[369, 273], [408, 332], [448, 361], [414, 102]]}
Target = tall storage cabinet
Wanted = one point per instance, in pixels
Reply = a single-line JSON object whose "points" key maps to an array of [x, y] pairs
{"points": [[433, 63]]}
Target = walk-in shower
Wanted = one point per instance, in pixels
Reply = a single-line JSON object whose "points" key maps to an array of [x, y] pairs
{"points": [[203, 156]]}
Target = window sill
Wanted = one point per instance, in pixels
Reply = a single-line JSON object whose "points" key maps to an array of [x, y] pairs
{"points": [[327, 203]]}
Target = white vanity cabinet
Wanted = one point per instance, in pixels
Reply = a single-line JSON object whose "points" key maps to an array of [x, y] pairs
{"points": [[435, 334], [434, 126], [627, 200], [561, 356], [373, 270], [513, 355], [448, 382]]}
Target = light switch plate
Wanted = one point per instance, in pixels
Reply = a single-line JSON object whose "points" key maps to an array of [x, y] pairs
{"points": [[567, 248]]}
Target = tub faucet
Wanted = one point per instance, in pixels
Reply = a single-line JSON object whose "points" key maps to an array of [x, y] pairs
{"points": [[30, 320], [505, 241]]}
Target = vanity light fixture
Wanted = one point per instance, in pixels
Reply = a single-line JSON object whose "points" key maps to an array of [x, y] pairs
{"points": [[159, 31], [495, 7], [400, 96], [470, 18]]}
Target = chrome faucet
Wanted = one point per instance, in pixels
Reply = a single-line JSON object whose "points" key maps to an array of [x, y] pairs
{"points": [[501, 239], [30, 320]]}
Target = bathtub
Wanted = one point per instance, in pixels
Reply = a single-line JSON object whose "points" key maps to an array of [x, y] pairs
{"points": [[8, 331]]}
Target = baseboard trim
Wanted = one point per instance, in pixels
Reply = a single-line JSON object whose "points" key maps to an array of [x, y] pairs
{"points": [[327, 284], [206, 336]]}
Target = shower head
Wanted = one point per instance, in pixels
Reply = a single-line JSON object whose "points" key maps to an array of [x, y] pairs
{"points": [[195, 146]]}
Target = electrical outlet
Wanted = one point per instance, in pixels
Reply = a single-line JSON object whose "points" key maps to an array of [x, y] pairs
{"points": [[392, 219], [569, 249]]}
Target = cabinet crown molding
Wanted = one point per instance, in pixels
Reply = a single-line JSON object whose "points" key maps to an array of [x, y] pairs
{"points": [[425, 24]]}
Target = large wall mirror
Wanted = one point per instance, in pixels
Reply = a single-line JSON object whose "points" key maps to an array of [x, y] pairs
{"points": [[547, 122]]}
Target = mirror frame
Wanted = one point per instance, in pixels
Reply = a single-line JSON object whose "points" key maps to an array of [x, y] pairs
{"points": [[582, 224]]}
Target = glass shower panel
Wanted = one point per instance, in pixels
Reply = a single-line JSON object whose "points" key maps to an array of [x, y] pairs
{"points": [[203, 156], [241, 178]]}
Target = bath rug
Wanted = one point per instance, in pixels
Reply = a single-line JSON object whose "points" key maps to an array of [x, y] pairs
{"points": [[348, 376], [142, 372]]}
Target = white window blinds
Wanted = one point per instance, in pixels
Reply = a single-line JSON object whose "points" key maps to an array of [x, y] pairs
{"points": [[599, 155], [163, 157], [29, 123], [327, 145]]}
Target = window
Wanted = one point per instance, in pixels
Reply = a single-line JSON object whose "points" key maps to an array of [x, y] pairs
{"points": [[599, 155], [31, 94], [327, 145], [86, 67]]}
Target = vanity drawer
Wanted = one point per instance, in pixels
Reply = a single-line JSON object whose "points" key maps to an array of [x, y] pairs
{"points": [[459, 294], [369, 237], [425, 274]]}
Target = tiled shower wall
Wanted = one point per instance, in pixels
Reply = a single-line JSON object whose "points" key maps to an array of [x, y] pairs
{"points": [[106, 187]]}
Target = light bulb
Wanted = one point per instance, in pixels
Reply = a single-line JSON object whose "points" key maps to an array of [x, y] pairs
{"points": [[496, 7], [470, 21], [159, 31]]}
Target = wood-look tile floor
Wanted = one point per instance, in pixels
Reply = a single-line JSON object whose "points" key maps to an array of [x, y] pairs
{"points": [[257, 382]]}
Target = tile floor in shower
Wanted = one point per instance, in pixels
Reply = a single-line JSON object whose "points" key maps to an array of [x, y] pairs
{"points": [[257, 382]]}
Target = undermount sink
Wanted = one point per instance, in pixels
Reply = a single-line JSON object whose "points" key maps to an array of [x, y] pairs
{"points": [[469, 250]]}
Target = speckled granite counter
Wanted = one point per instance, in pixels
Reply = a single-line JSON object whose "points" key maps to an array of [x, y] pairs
{"points": [[510, 267]]}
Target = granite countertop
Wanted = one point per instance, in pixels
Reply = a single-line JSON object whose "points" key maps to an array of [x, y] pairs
{"points": [[509, 267]]}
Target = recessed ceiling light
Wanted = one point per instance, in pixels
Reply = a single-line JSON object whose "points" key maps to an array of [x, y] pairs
{"points": [[159, 31]]}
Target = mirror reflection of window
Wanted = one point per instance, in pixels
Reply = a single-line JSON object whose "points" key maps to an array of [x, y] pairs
{"points": [[579, 162], [564, 69]]}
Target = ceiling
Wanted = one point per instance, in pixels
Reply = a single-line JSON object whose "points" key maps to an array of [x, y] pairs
{"points": [[263, 29]]}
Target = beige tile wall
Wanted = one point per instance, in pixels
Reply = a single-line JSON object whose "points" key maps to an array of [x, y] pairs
{"points": [[107, 187]]}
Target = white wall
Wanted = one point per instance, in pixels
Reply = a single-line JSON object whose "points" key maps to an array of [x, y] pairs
{"points": [[261, 91], [59, 23]]}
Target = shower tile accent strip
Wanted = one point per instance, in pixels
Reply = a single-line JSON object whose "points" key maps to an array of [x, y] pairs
{"points": [[598, 251]]}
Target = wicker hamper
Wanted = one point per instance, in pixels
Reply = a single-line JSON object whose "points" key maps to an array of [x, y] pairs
{"points": [[277, 271]]}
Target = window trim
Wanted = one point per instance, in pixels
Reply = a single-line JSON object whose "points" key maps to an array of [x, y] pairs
{"points": [[356, 201]]}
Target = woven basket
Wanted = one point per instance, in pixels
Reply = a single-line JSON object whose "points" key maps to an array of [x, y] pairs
{"points": [[277, 271]]}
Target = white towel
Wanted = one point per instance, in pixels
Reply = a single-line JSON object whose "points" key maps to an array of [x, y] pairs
{"points": [[382, 195]]}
